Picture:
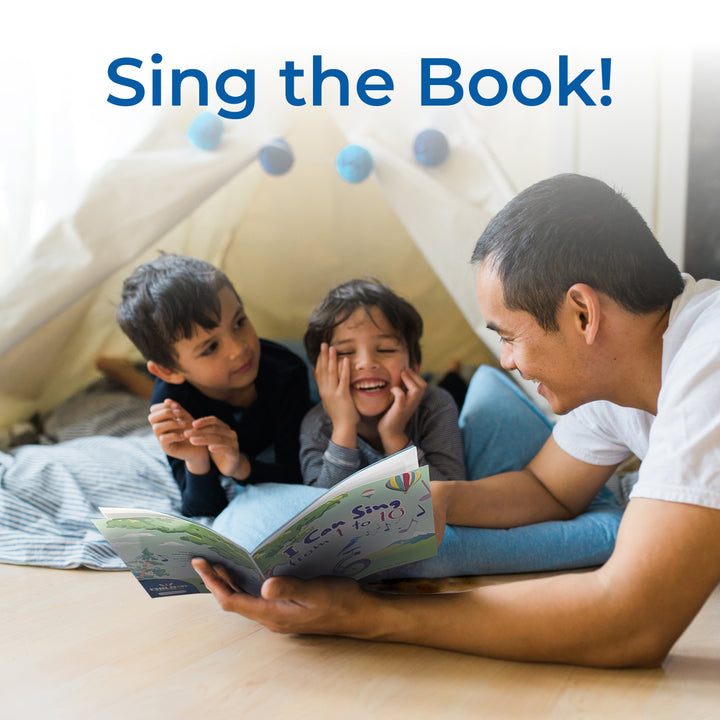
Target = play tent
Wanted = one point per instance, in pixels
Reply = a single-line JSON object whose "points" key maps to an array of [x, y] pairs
{"points": [[286, 239], [283, 240]]}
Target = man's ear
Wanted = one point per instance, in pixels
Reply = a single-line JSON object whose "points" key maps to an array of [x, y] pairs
{"points": [[584, 304], [169, 376]]}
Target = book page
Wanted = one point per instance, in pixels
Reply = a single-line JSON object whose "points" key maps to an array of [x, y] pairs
{"points": [[400, 462], [364, 529], [158, 548]]}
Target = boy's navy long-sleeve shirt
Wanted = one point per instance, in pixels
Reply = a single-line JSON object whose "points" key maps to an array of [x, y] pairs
{"points": [[273, 420]]}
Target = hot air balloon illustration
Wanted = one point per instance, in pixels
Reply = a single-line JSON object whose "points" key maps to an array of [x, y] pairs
{"points": [[404, 482]]}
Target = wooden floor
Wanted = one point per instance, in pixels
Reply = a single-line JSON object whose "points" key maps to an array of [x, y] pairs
{"points": [[82, 644]]}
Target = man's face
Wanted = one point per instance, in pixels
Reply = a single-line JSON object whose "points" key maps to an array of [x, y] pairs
{"points": [[553, 360]]}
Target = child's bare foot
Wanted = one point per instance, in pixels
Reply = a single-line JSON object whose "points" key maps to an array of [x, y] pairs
{"points": [[124, 372], [455, 366]]}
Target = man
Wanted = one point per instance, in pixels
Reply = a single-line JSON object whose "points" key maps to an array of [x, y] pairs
{"points": [[628, 351]]}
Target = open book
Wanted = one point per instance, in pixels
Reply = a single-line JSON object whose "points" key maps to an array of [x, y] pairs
{"points": [[376, 519]]}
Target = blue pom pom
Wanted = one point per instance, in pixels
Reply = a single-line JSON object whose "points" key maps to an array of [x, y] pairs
{"points": [[205, 131], [431, 148], [354, 163], [276, 157]]}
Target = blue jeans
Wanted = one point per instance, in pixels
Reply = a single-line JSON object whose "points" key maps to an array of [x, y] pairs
{"points": [[502, 430]]}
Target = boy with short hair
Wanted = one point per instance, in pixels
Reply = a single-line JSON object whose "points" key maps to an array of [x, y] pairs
{"points": [[364, 343], [222, 396]]}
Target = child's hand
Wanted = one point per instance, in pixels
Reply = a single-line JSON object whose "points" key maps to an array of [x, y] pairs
{"points": [[222, 444], [393, 423], [333, 381], [169, 421]]}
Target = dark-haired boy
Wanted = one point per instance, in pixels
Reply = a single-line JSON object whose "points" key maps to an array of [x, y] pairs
{"points": [[223, 398]]}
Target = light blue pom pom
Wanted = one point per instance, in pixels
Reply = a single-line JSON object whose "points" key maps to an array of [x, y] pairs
{"points": [[205, 131], [354, 163], [276, 157], [431, 148]]}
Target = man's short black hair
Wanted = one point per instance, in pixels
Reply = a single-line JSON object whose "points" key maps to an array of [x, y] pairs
{"points": [[575, 229], [166, 300], [367, 293]]}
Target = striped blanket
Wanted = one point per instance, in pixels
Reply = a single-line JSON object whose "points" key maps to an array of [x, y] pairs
{"points": [[97, 451], [49, 493]]}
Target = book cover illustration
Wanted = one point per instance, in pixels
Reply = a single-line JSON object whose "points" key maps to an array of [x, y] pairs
{"points": [[370, 522]]}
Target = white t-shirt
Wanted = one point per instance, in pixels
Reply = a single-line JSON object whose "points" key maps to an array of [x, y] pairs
{"points": [[680, 446]]}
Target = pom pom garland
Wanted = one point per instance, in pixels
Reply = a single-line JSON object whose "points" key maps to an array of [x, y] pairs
{"points": [[205, 131], [276, 157], [431, 148], [354, 163]]}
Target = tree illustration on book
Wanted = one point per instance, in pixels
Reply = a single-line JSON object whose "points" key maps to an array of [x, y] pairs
{"points": [[147, 565]]}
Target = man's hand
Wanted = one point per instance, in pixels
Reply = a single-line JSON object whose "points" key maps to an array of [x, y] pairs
{"points": [[325, 606], [170, 421], [393, 423], [333, 381], [222, 444]]}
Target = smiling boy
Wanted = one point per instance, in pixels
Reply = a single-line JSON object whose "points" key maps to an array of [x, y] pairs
{"points": [[364, 342], [222, 398]]}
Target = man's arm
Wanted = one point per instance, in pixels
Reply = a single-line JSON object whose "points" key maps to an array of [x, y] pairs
{"points": [[628, 613], [553, 486]]}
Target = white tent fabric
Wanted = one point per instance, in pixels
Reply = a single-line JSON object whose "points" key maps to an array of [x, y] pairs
{"points": [[57, 310]]}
